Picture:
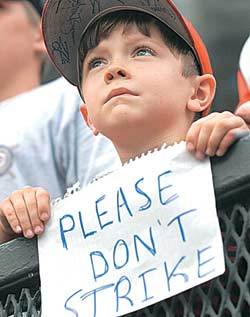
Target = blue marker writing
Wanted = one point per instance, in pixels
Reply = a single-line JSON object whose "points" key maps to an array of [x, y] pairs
{"points": [[170, 198]]}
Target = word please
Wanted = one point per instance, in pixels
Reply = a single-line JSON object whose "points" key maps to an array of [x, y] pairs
{"points": [[98, 218]]}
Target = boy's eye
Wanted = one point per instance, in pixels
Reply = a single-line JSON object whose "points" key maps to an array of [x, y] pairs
{"points": [[94, 63], [144, 51]]}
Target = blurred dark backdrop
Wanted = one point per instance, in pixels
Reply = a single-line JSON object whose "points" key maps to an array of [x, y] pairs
{"points": [[224, 26]]}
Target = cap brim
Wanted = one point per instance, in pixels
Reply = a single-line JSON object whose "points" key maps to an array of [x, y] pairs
{"points": [[64, 24]]}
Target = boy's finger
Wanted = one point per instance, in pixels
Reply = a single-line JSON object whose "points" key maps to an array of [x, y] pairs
{"points": [[17, 201], [226, 142], [204, 136], [31, 204], [232, 136], [224, 134], [192, 136], [43, 204], [215, 140], [221, 126], [9, 218]]}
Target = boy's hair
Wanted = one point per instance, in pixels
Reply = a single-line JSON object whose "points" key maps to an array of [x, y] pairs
{"points": [[102, 28]]}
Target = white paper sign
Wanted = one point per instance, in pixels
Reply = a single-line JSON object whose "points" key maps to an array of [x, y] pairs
{"points": [[135, 237]]}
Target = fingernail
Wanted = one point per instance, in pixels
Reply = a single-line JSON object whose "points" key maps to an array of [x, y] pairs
{"points": [[29, 234], [219, 153], [190, 147], [208, 152], [18, 229], [44, 216], [200, 156], [38, 230]]}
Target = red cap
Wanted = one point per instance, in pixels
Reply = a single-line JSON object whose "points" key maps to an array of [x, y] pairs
{"points": [[65, 22]]}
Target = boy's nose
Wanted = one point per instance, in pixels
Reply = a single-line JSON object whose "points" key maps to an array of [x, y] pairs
{"points": [[115, 72]]}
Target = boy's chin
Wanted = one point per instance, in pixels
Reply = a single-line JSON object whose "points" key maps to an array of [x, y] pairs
{"points": [[124, 100], [126, 131]]}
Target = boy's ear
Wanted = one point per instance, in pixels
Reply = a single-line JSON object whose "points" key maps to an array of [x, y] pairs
{"points": [[84, 112], [203, 93]]}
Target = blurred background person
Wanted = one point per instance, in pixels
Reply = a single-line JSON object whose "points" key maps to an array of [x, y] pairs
{"points": [[22, 49], [243, 78], [43, 140]]}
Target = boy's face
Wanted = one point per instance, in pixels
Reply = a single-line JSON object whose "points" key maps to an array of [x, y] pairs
{"points": [[134, 88], [17, 36]]}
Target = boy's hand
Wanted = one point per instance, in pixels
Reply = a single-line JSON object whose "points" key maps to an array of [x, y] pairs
{"points": [[213, 134], [24, 212], [244, 112]]}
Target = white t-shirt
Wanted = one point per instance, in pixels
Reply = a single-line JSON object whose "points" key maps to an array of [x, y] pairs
{"points": [[245, 61], [45, 142]]}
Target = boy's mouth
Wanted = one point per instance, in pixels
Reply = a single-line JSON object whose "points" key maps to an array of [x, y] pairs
{"points": [[119, 92]]}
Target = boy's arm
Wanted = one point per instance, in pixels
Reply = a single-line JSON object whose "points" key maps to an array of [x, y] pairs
{"points": [[214, 134], [24, 212]]}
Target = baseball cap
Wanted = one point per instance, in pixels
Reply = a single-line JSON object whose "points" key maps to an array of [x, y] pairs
{"points": [[65, 22], [38, 5], [243, 75]]}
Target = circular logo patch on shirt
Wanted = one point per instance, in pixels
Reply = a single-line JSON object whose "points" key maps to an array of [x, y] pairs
{"points": [[5, 159]]}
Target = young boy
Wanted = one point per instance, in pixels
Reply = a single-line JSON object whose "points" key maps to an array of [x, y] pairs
{"points": [[144, 75]]}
